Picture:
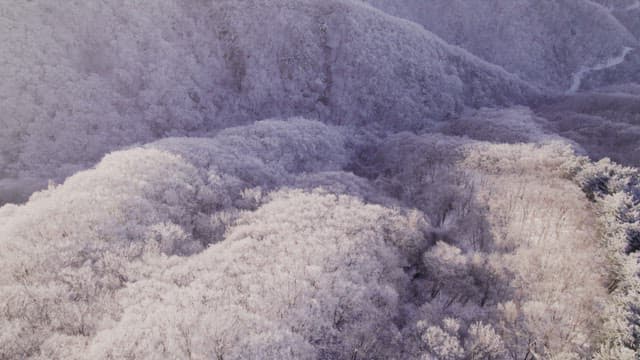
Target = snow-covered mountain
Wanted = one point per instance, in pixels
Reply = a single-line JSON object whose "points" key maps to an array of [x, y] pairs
{"points": [[545, 42], [83, 79], [306, 179]]}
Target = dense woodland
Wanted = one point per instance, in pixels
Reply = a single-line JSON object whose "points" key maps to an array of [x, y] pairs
{"points": [[336, 179]]}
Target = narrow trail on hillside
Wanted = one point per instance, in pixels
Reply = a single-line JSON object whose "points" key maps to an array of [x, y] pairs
{"points": [[584, 70]]}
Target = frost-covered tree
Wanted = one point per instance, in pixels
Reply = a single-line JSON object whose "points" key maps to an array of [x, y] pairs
{"points": [[68, 252], [443, 345], [83, 79], [332, 293], [543, 41], [484, 343], [407, 222], [614, 188]]}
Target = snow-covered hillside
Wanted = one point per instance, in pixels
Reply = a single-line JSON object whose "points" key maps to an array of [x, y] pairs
{"points": [[220, 247], [544, 41], [81, 79], [306, 179]]}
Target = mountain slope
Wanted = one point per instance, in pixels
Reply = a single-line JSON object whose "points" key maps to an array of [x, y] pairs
{"points": [[543, 41], [258, 244], [83, 79], [424, 203]]}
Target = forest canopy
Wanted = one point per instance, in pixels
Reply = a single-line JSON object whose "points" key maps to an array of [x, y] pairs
{"points": [[301, 179]]}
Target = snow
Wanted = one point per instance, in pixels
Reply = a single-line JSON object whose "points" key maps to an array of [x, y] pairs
{"points": [[609, 63], [543, 41], [83, 79], [258, 243], [419, 189]]}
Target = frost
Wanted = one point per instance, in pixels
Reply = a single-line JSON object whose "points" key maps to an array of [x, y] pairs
{"points": [[301, 179]]}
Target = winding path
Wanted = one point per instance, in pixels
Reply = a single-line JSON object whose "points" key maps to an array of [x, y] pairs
{"points": [[584, 70]]}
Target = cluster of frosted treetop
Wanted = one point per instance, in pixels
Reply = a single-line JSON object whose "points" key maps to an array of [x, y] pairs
{"points": [[336, 179]]}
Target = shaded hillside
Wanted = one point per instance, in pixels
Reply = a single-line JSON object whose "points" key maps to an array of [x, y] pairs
{"points": [[543, 41], [84, 79]]}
